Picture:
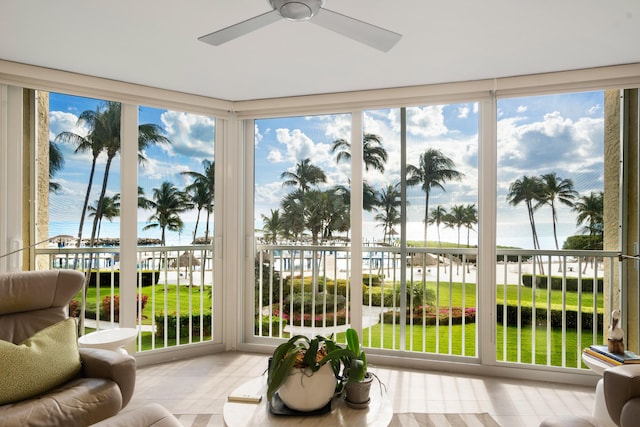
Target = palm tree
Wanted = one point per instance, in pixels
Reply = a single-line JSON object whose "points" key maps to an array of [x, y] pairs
{"points": [[561, 190], [433, 171], [84, 144], [470, 219], [304, 176], [437, 217], [56, 163], [202, 192], [273, 226], [169, 203], [143, 202], [457, 217], [104, 136], [293, 215], [529, 190], [110, 209], [388, 210], [373, 153], [590, 210], [369, 195]]}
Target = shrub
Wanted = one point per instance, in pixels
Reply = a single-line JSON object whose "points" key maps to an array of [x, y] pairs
{"points": [[267, 275], [430, 313], [556, 283], [308, 319], [105, 309], [310, 302], [275, 324], [372, 279], [74, 308], [172, 321], [526, 314], [148, 278]]}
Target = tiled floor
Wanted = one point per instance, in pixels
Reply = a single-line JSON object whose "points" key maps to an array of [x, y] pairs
{"points": [[201, 385]]}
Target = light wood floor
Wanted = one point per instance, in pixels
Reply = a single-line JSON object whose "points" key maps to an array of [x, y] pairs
{"points": [[201, 385]]}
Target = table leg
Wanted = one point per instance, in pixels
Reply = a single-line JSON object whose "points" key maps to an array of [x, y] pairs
{"points": [[600, 407]]}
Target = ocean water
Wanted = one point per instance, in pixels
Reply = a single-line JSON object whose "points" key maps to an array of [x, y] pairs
{"points": [[112, 229]]}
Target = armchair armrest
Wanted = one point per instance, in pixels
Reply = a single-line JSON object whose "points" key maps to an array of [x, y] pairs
{"points": [[621, 384], [119, 367]]}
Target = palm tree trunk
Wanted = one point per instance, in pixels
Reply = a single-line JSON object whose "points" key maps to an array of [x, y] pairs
{"points": [[195, 230], [536, 242], [84, 208], [554, 219], [206, 229]]}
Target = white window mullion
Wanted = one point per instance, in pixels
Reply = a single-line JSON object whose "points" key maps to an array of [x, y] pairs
{"points": [[487, 184], [356, 220], [128, 213], [11, 178]]}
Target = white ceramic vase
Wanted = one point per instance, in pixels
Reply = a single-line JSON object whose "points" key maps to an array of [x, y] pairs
{"points": [[307, 391]]}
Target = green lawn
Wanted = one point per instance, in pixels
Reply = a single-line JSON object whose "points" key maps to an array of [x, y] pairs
{"points": [[454, 296], [382, 336], [418, 339]]}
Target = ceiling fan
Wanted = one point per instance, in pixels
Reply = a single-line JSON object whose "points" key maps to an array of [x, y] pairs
{"points": [[312, 11]]}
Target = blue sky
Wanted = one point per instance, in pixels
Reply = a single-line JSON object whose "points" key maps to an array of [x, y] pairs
{"points": [[536, 135]]}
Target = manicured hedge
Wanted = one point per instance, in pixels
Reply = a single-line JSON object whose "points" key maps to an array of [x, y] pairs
{"points": [[149, 277], [184, 325], [556, 283], [541, 317], [372, 279], [275, 325]]}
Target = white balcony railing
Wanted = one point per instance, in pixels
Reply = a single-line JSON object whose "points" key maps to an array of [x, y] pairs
{"points": [[174, 292], [425, 300], [420, 300]]}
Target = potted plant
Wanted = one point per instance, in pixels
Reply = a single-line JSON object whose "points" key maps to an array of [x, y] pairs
{"points": [[304, 372], [356, 378]]}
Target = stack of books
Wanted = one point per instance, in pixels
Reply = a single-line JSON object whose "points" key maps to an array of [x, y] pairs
{"points": [[602, 352]]}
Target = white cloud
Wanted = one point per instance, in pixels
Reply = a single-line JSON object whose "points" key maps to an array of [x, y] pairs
{"points": [[522, 108], [594, 110], [426, 121], [275, 156], [190, 134], [463, 112], [572, 149], [270, 194], [338, 127], [60, 121], [299, 146], [258, 135]]}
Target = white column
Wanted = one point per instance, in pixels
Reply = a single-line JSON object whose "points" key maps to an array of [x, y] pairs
{"points": [[11, 178], [356, 221], [487, 184], [128, 214]]}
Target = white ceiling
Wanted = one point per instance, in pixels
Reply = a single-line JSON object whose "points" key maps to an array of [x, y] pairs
{"points": [[154, 43]]}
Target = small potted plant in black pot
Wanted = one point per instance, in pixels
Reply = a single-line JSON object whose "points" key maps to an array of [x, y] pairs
{"points": [[356, 378]]}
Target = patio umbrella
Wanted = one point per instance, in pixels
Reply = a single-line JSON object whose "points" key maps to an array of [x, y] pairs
{"points": [[187, 259]]}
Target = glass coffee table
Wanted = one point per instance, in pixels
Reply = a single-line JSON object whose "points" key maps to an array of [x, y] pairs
{"points": [[240, 414]]}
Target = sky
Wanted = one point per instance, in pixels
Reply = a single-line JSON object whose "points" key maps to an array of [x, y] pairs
{"points": [[536, 135]]}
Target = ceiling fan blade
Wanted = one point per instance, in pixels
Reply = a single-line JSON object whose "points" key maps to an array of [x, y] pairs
{"points": [[360, 31], [240, 29]]}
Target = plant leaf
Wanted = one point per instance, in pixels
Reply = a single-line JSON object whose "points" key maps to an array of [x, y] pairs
{"points": [[279, 374]]}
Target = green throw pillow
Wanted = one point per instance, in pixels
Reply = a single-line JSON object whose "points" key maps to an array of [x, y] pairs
{"points": [[47, 359]]}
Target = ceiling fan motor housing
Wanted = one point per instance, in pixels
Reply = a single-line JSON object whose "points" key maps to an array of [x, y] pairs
{"points": [[297, 10]]}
